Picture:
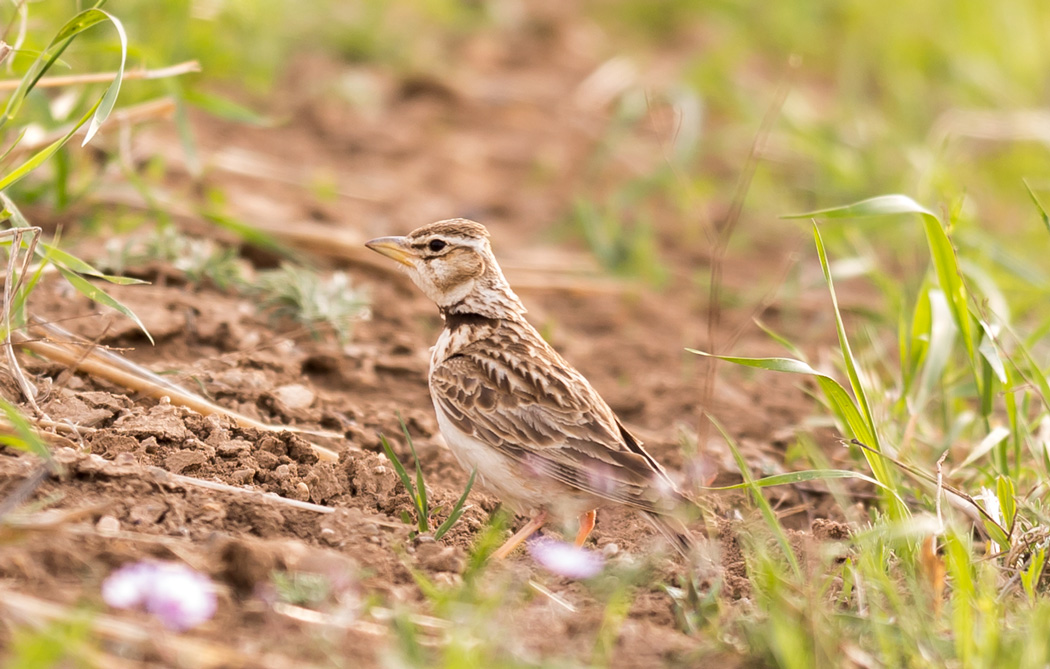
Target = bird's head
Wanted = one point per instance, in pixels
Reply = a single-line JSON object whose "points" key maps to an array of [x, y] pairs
{"points": [[452, 262]]}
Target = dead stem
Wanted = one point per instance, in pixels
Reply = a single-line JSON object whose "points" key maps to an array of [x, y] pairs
{"points": [[164, 476], [116, 369], [724, 233], [105, 77]]}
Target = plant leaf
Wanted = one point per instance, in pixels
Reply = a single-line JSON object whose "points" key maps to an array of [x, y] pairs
{"points": [[398, 467], [96, 294], [807, 475], [1004, 489], [993, 439], [457, 510], [109, 98], [421, 487], [945, 263], [25, 438], [1038, 205]]}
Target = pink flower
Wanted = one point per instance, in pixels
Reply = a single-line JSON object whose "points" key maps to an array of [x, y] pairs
{"points": [[565, 559], [179, 596]]}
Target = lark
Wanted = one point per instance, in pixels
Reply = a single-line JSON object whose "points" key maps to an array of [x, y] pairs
{"points": [[512, 409]]}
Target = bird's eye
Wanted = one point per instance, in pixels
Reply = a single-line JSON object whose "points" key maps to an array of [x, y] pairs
{"points": [[436, 245]]}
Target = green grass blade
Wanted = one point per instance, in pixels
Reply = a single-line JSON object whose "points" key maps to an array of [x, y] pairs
{"points": [[62, 39], [109, 98], [14, 144], [252, 235], [421, 488], [847, 353], [96, 294], [838, 399], [184, 128], [914, 339], [1006, 493], [226, 109], [940, 336], [1031, 371], [56, 255], [882, 205], [836, 395], [75, 264], [945, 263], [457, 510], [778, 338], [25, 438], [808, 475], [993, 439], [763, 504], [38, 158], [1038, 205], [399, 468]]}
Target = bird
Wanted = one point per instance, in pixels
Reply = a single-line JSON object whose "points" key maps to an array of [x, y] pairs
{"points": [[513, 410]]}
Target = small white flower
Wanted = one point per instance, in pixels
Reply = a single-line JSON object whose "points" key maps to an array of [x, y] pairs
{"points": [[990, 502], [177, 595], [126, 588], [565, 559]]}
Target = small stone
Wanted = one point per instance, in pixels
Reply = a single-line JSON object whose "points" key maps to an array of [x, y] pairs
{"points": [[323, 483], [233, 448], [266, 460], [124, 459], [282, 472], [610, 549], [147, 513], [180, 461], [295, 396], [436, 557], [243, 476], [329, 536], [368, 529], [162, 422], [302, 492], [108, 525]]}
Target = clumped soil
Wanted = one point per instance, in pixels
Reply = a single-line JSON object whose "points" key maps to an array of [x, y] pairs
{"points": [[460, 145]]}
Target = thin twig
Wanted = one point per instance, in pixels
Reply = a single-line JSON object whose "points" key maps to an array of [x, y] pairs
{"points": [[935, 480], [940, 488], [12, 286], [114, 368], [104, 77], [725, 233], [164, 476], [123, 116]]}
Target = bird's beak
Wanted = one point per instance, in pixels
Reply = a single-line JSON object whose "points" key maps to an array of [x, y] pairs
{"points": [[393, 247]]}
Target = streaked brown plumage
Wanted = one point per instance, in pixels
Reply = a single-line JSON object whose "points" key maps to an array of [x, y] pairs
{"points": [[508, 404]]}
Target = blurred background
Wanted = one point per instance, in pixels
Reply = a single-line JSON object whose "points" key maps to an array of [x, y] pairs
{"points": [[634, 161], [623, 128]]}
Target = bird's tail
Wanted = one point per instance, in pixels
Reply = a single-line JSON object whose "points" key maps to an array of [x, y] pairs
{"points": [[675, 531]]}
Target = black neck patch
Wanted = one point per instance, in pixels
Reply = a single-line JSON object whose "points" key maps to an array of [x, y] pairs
{"points": [[456, 319]]}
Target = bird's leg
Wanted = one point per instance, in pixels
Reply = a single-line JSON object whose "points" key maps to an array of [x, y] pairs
{"points": [[587, 520], [521, 535]]}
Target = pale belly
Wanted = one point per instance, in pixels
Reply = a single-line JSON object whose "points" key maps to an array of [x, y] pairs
{"points": [[523, 491]]}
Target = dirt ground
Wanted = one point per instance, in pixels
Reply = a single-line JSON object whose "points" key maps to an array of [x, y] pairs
{"points": [[506, 138]]}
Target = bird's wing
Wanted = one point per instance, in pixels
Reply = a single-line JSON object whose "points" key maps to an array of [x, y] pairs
{"points": [[519, 396]]}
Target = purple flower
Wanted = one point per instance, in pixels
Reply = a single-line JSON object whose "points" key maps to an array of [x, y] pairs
{"points": [[565, 559], [179, 596]]}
